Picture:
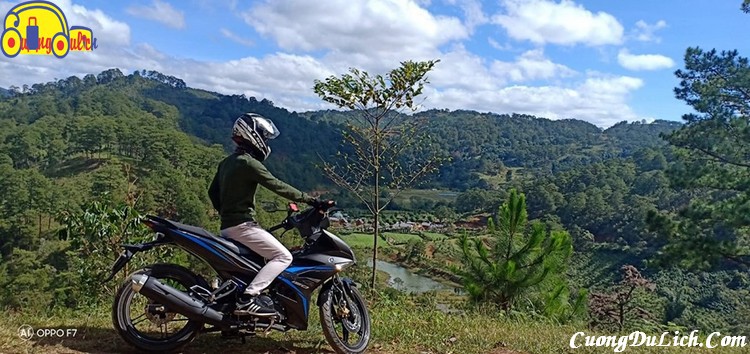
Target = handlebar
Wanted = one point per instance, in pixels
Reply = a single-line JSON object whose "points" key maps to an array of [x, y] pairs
{"points": [[288, 223], [324, 204]]}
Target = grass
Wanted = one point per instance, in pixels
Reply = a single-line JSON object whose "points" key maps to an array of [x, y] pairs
{"points": [[365, 240], [500, 179], [77, 165], [400, 238], [433, 236], [399, 326], [436, 195], [357, 240]]}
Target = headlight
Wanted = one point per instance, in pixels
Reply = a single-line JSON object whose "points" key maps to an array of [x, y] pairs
{"points": [[340, 266]]}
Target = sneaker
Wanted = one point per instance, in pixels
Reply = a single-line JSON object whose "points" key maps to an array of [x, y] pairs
{"points": [[260, 305]]}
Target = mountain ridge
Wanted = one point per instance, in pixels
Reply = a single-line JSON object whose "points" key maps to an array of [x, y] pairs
{"points": [[492, 141]]}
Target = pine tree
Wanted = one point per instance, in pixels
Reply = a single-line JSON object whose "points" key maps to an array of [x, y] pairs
{"points": [[515, 259], [714, 163]]}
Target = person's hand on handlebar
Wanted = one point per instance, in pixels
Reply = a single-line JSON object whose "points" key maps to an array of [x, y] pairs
{"points": [[322, 204]]}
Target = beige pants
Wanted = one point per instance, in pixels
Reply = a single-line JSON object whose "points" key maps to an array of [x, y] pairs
{"points": [[267, 246]]}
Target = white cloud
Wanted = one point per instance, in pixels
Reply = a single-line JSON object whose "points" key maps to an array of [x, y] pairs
{"points": [[236, 38], [473, 14], [460, 69], [599, 100], [495, 44], [566, 23], [463, 80], [643, 61], [645, 32], [160, 11], [285, 79], [362, 33], [531, 65]]}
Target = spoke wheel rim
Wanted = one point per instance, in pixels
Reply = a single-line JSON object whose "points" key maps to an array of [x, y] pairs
{"points": [[152, 325], [352, 324]]}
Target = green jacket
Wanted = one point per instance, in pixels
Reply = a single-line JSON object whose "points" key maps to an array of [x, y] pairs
{"points": [[233, 188]]}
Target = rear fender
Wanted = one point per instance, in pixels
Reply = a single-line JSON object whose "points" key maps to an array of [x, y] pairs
{"points": [[127, 254]]}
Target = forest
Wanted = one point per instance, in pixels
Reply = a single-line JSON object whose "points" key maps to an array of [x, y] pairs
{"points": [[79, 153]]}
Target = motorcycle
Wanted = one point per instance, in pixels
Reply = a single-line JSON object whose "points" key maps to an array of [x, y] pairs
{"points": [[161, 295]]}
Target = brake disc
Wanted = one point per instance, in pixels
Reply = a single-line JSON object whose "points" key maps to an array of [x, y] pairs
{"points": [[155, 313], [350, 317]]}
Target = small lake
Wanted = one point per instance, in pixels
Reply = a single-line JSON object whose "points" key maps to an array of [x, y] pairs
{"points": [[403, 279]]}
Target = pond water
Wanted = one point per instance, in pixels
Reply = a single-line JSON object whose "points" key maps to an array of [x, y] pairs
{"points": [[403, 279]]}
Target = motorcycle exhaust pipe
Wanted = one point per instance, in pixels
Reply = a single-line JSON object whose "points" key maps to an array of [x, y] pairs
{"points": [[178, 301]]}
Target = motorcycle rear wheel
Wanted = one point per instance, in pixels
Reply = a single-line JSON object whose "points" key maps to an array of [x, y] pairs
{"points": [[125, 322]]}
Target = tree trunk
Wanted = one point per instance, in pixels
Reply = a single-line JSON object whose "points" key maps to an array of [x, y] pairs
{"points": [[375, 247], [376, 214], [376, 231]]}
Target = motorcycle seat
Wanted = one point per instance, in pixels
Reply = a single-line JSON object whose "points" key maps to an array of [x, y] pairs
{"points": [[232, 245]]}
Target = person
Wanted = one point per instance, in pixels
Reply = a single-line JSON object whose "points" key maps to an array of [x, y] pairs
{"points": [[232, 193]]}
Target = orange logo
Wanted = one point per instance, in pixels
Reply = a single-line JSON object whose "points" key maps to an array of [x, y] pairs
{"points": [[40, 28]]}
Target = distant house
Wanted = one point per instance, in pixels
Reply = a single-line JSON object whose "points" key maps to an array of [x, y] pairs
{"points": [[359, 225], [338, 219], [398, 226], [403, 226], [476, 222], [433, 226]]}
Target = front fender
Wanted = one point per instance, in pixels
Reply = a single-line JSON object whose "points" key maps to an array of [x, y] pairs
{"points": [[325, 290]]}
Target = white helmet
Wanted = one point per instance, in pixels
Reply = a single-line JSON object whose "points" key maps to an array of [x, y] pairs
{"points": [[252, 131]]}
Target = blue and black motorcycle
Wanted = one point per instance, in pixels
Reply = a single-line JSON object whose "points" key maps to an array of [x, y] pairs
{"points": [[162, 307]]}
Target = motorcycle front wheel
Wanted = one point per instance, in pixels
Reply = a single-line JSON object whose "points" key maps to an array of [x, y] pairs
{"points": [[148, 325], [345, 321]]}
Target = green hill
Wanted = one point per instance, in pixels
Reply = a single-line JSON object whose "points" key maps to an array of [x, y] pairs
{"points": [[484, 146]]}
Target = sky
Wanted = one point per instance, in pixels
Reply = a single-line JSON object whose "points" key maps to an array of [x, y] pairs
{"points": [[602, 61]]}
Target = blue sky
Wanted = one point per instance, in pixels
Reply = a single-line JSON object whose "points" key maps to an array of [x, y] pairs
{"points": [[599, 61]]}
